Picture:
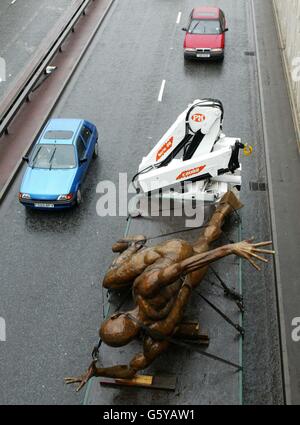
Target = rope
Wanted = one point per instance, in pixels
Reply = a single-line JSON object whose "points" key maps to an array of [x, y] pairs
{"points": [[223, 315]]}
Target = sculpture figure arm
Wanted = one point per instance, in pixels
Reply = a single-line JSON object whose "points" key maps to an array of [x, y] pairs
{"points": [[246, 249], [148, 284]]}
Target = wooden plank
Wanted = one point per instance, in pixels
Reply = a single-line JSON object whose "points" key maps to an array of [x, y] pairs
{"points": [[190, 330], [144, 381]]}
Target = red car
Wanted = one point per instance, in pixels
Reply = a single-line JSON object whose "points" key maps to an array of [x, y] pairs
{"points": [[205, 34]]}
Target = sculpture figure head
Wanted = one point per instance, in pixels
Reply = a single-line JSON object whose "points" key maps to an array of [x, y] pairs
{"points": [[118, 330]]}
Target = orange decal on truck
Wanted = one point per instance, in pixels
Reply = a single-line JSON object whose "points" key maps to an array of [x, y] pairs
{"points": [[188, 173], [199, 117], [164, 149]]}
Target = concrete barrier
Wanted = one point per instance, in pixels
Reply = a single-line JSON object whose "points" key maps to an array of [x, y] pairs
{"points": [[287, 14]]}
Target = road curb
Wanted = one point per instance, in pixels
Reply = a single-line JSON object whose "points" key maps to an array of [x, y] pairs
{"points": [[18, 166], [278, 282]]}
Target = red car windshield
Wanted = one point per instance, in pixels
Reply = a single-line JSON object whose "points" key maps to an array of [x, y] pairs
{"points": [[205, 26]]}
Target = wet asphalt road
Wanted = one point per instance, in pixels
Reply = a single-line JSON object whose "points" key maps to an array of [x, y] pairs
{"points": [[23, 24], [52, 264]]}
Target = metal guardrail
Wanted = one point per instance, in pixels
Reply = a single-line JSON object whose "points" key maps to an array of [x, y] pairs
{"points": [[20, 92]]}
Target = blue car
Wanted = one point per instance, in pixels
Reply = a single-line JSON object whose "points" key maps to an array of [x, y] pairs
{"points": [[58, 163]]}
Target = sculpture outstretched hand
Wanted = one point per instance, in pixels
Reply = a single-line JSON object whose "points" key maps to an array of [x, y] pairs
{"points": [[162, 279]]}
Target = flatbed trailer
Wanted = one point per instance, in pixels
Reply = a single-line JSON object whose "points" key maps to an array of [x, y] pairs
{"points": [[198, 379]]}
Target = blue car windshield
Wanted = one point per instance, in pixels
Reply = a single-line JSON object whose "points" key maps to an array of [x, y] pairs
{"points": [[53, 156], [205, 26]]}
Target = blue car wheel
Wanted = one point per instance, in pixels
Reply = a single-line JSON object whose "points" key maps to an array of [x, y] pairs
{"points": [[96, 148], [78, 197]]}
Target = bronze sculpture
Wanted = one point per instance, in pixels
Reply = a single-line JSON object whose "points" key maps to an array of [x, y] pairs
{"points": [[162, 279]]}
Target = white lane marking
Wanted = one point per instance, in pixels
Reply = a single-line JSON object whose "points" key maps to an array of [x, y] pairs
{"points": [[2, 329], [161, 92], [13, 1], [178, 18]]}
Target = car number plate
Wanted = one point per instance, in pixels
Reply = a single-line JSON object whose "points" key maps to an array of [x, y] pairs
{"points": [[203, 55], [43, 205]]}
